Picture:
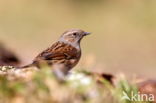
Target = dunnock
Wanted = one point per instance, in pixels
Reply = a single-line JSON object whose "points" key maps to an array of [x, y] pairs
{"points": [[64, 54]]}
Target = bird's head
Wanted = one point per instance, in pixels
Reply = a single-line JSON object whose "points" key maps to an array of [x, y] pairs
{"points": [[73, 36]]}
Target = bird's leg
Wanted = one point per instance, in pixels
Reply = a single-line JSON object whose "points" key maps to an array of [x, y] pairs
{"points": [[59, 74], [58, 70]]}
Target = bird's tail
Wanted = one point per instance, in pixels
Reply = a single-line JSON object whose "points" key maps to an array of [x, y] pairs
{"points": [[26, 66], [34, 63]]}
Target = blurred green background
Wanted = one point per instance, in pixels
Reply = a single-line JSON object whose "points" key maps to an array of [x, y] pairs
{"points": [[123, 31]]}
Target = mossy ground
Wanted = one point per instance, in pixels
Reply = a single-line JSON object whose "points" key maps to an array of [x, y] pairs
{"points": [[41, 86]]}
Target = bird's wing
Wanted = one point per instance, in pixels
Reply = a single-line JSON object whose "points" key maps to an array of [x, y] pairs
{"points": [[58, 51]]}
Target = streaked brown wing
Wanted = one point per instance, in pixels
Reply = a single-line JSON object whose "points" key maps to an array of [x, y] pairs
{"points": [[58, 51]]}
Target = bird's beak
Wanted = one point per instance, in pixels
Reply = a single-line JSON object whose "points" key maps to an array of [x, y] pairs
{"points": [[86, 33]]}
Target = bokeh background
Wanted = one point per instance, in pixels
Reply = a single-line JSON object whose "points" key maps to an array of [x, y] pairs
{"points": [[123, 31]]}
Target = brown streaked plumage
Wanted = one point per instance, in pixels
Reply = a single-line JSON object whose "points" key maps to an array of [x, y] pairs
{"points": [[59, 53], [64, 54]]}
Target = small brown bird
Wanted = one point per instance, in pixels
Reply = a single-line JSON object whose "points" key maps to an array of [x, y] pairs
{"points": [[64, 54]]}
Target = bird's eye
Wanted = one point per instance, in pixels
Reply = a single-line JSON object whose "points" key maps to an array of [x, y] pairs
{"points": [[74, 34]]}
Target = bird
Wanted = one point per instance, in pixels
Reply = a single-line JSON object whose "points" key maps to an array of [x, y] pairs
{"points": [[64, 54]]}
